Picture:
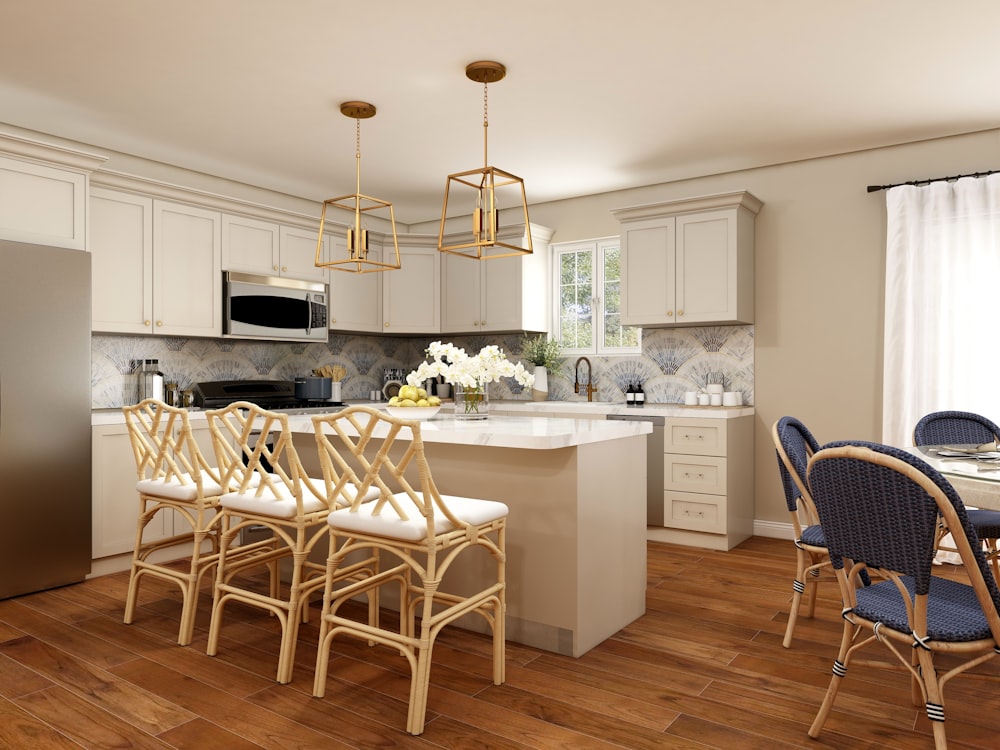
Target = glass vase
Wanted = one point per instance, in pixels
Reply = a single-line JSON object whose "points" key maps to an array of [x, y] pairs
{"points": [[471, 403]]}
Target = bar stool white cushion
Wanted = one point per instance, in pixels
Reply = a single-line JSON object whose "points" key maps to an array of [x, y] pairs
{"points": [[414, 527]]}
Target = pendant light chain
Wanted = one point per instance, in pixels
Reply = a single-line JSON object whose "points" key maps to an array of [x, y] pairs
{"points": [[486, 123], [357, 151]]}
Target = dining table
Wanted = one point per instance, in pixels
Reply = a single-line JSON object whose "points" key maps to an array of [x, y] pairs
{"points": [[974, 471]]}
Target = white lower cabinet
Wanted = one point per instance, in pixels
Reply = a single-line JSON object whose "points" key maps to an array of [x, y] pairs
{"points": [[115, 501], [707, 482]]}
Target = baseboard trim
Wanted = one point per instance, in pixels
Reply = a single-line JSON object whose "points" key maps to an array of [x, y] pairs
{"points": [[773, 529]]}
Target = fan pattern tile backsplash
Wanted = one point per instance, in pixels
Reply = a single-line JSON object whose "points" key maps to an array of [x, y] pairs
{"points": [[673, 360]]}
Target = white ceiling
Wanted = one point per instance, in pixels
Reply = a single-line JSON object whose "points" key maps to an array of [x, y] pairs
{"points": [[598, 96]]}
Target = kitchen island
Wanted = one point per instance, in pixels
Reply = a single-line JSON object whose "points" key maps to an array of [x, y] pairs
{"points": [[576, 534]]}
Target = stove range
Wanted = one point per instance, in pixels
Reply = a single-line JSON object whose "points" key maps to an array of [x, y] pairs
{"points": [[274, 395]]}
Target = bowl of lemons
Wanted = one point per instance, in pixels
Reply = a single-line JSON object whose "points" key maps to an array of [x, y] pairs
{"points": [[413, 403]]}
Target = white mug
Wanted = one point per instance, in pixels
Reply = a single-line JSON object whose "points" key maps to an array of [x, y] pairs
{"points": [[702, 399], [690, 398], [716, 399], [732, 398]]}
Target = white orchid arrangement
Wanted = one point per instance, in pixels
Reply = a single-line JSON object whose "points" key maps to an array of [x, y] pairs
{"points": [[470, 372]]}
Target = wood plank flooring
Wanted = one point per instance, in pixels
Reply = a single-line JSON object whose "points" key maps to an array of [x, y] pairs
{"points": [[704, 668]]}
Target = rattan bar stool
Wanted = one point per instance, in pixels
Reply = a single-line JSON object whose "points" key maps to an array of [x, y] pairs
{"points": [[257, 456], [172, 477], [418, 532]]}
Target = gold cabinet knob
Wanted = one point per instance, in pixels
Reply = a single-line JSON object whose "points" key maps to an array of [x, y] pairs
{"points": [[274, 268], [284, 268], [670, 313], [159, 322], [145, 322], [679, 313], [386, 325]]}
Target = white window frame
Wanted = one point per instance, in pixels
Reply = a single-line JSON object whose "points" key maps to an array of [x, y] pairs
{"points": [[596, 247]]}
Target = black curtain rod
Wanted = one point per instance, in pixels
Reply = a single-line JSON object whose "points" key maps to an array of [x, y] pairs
{"points": [[876, 188]]}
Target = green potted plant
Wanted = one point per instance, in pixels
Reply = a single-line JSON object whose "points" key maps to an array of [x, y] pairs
{"points": [[545, 354]]}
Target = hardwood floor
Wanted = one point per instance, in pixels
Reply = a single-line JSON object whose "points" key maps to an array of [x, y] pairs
{"points": [[704, 668]]}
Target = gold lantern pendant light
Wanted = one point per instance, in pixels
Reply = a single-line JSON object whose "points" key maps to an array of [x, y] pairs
{"points": [[357, 260], [483, 243]]}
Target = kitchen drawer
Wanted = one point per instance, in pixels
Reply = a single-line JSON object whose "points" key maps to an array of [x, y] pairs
{"points": [[694, 474], [694, 512], [698, 437]]}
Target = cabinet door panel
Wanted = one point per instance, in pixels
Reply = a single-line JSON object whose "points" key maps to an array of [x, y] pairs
{"points": [[249, 245], [502, 295], [706, 268], [461, 308], [298, 255], [411, 296], [187, 270], [355, 298], [648, 273], [42, 205], [121, 243]]}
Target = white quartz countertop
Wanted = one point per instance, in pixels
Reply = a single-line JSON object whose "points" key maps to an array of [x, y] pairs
{"points": [[532, 433], [556, 408], [531, 408]]}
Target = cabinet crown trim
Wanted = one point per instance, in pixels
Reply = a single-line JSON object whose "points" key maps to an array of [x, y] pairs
{"points": [[47, 153], [739, 198]]}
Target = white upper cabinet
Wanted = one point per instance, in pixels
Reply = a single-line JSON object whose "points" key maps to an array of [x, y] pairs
{"points": [[503, 294], [355, 298], [271, 249], [43, 205], [121, 243], [156, 266], [689, 262], [250, 245], [411, 295], [187, 270], [298, 254]]}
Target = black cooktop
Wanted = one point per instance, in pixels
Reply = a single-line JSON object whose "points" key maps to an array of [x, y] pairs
{"points": [[276, 395]]}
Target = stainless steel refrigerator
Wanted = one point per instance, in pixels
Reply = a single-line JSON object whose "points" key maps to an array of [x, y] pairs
{"points": [[45, 488]]}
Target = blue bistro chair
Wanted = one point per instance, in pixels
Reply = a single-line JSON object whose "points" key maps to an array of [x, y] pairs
{"points": [[794, 445], [965, 428], [879, 507]]}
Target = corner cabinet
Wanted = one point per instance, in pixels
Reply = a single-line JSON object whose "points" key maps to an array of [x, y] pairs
{"points": [[689, 262], [707, 482], [503, 294], [411, 295], [355, 298]]}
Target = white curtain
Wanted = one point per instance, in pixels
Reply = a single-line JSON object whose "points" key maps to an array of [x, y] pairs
{"points": [[942, 303]]}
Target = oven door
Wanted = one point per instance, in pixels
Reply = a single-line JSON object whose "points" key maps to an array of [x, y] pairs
{"points": [[265, 307]]}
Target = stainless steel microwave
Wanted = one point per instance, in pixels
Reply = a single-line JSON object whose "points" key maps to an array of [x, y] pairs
{"points": [[274, 308]]}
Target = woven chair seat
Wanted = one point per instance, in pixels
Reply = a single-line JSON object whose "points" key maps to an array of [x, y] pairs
{"points": [[414, 528], [813, 536], [953, 614], [986, 522]]}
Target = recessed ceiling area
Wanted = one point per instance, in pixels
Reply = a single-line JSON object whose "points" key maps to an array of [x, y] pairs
{"points": [[598, 96]]}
